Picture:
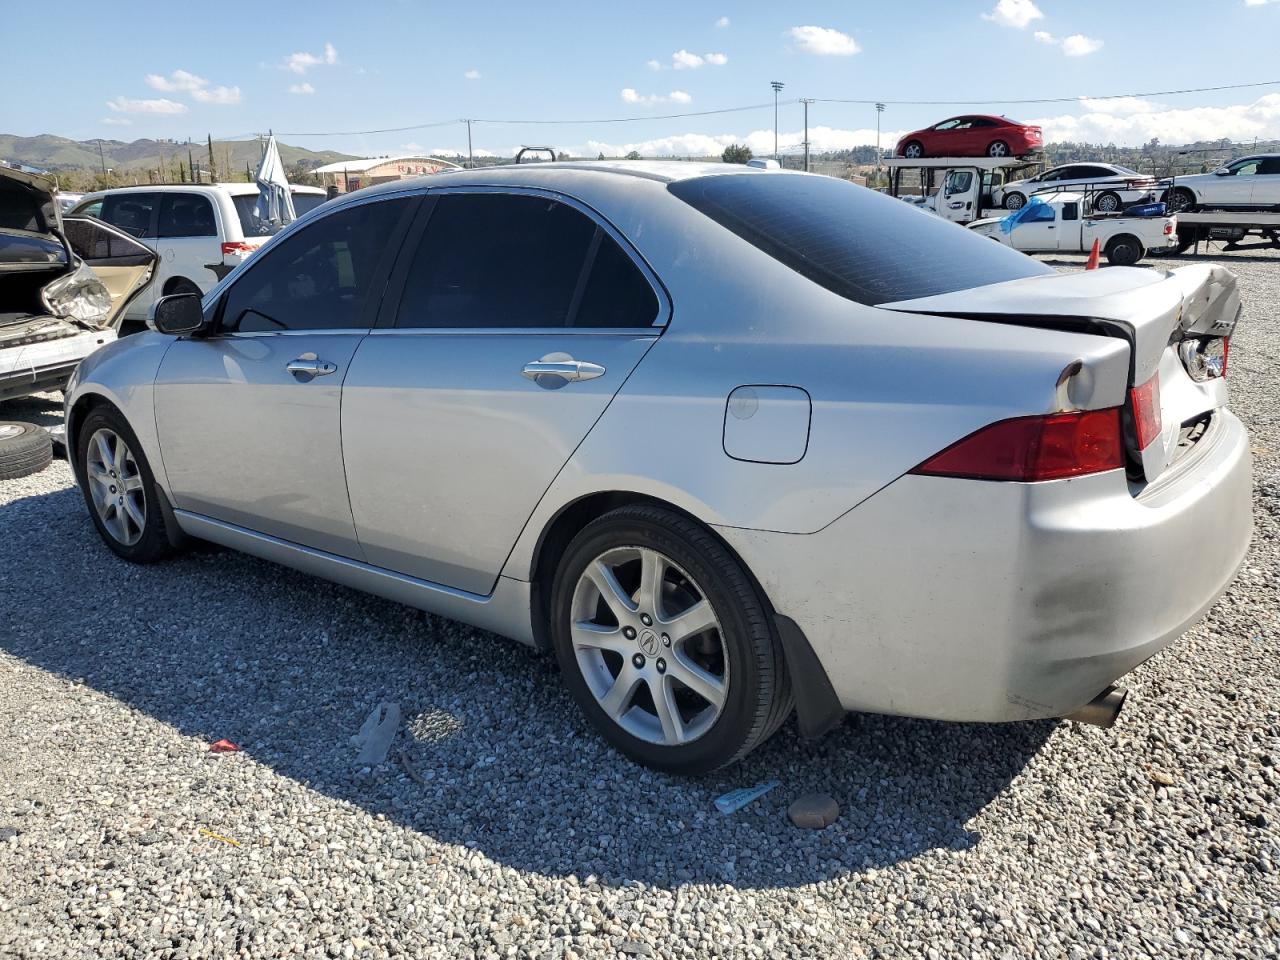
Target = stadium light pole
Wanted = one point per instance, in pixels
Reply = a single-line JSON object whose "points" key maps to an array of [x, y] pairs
{"points": [[879, 155], [777, 88]]}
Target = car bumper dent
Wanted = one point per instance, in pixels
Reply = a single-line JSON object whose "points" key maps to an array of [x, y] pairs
{"points": [[979, 601]]}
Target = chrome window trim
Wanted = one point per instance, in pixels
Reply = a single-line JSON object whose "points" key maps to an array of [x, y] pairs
{"points": [[665, 309], [632, 333]]}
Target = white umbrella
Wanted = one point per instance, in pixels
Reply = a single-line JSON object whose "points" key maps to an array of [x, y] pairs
{"points": [[275, 202]]}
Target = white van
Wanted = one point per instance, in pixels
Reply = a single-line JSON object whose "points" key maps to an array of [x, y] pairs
{"points": [[201, 231]]}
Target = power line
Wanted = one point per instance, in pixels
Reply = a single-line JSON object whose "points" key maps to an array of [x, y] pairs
{"points": [[764, 106], [1076, 99]]}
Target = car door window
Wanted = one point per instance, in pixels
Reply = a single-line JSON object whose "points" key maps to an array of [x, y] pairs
{"points": [[1270, 166], [323, 277], [131, 211], [1039, 213], [491, 260], [91, 209], [947, 124], [186, 215], [1245, 168]]}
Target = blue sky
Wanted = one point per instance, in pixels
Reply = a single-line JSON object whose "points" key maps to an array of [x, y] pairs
{"points": [[158, 70]]}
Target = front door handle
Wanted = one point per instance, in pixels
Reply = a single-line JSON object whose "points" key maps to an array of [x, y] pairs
{"points": [[570, 370], [309, 366]]}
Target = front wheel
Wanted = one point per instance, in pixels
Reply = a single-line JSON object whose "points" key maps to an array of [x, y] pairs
{"points": [[1181, 200], [1015, 201], [665, 643], [914, 150], [1124, 251], [119, 488]]}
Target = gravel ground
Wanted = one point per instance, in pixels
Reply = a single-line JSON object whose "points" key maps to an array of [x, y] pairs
{"points": [[509, 830]]}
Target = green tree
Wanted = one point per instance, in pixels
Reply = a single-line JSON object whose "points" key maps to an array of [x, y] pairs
{"points": [[736, 153], [633, 155]]}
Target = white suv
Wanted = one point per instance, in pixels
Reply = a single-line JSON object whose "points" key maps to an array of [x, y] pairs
{"points": [[1250, 183], [201, 231]]}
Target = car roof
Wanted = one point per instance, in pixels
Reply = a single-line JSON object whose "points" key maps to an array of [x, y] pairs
{"points": [[233, 189], [551, 175]]}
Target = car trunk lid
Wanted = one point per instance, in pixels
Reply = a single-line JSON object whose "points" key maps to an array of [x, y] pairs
{"points": [[1154, 311]]}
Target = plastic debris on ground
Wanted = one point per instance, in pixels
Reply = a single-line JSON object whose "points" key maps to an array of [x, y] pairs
{"points": [[376, 734], [735, 800], [223, 746]]}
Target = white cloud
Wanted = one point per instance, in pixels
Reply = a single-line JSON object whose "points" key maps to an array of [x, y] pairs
{"points": [[653, 64], [717, 59], [1078, 45], [177, 82], [722, 22], [302, 62], [629, 95], [760, 142], [161, 105], [302, 89], [1122, 122], [824, 41], [472, 74], [219, 95], [1121, 106], [116, 121], [1014, 13], [1259, 3], [1044, 36], [684, 60]]}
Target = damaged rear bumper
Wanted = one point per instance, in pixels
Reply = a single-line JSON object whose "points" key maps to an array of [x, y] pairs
{"points": [[46, 364]]}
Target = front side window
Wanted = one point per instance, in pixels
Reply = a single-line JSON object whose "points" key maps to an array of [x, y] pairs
{"points": [[958, 181], [320, 278], [1039, 213], [131, 211], [490, 260], [860, 244], [1245, 168], [186, 215], [948, 124]]}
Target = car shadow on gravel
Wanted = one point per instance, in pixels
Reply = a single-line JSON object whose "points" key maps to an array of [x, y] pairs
{"points": [[492, 753], [44, 409]]}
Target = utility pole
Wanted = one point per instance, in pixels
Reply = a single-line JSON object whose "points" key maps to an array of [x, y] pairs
{"points": [[879, 155], [777, 88], [101, 158], [471, 160], [806, 102]]}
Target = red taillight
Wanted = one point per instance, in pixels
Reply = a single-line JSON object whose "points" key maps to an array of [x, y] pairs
{"points": [[1035, 448], [237, 246], [1168, 228], [1145, 401], [1226, 353]]}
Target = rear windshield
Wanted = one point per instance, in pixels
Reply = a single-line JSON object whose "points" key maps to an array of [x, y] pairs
{"points": [[863, 245], [253, 227]]}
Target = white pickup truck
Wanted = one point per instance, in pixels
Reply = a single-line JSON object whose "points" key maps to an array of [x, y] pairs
{"points": [[1063, 221]]}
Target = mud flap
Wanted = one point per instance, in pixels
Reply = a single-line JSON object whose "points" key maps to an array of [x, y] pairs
{"points": [[818, 708]]}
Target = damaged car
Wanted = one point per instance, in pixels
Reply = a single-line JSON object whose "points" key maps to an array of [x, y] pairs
{"points": [[64, 286]]}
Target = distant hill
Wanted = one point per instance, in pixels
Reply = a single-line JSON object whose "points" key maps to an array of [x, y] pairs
{"points": [[59, 154]]}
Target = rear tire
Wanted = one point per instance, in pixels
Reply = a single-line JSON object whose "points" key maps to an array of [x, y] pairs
{"points": [[1124, 251], [119, 488], [24, 449], [998, 148], [612, 642], [1108, 202]]}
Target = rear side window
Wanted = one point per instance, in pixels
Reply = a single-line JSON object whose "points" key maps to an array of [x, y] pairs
{"points": [[864, 246], [186, 215], [490, 260], [131, 211], [323, 277], [306, 202]]}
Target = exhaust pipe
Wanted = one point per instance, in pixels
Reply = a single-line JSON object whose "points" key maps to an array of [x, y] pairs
{"points": [[1103, 709]]}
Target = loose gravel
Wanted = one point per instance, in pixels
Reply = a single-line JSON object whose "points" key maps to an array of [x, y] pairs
{"points": [[501, 826]]}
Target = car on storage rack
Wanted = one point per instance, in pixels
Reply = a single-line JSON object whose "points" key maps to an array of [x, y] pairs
{"points": [[1114, 186], [1250, 183], [1065, 222], [975, 135], [201, 231], [730, 442]]}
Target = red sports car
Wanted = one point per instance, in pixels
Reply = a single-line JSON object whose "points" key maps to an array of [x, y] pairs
{"points": [[972, 136]]}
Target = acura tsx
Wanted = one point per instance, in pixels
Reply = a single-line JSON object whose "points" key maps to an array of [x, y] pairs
{"points": [[731, 443]]}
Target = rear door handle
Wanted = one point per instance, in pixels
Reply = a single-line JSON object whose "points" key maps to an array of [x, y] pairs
{"points": [[571, 370], [308, 367]]}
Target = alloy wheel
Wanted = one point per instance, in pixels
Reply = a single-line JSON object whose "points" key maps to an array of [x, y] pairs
{"points": [[998, 149], [1108, 203], [649, 646], [115, 486]]}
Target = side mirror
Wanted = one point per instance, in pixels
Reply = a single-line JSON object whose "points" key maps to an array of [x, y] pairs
{"points": [[178, 313], [1221, 172]]}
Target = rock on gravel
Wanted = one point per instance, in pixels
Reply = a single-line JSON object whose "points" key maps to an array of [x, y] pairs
{"points": [[813, 811], [523, 835]]}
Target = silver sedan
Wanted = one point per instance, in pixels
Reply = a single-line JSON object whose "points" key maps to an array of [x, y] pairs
{"points": [[732, 443]]}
